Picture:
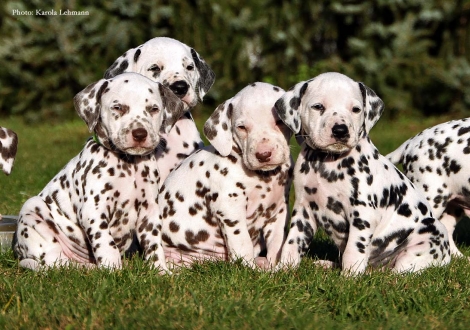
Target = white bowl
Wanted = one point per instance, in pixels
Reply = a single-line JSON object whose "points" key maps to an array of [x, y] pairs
{"points": [[7, 230]]}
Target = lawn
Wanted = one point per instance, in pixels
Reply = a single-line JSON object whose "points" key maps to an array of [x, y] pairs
{"points": [[216, 295]]}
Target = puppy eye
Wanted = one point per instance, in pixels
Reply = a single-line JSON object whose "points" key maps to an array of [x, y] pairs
{"points": [[116, 107], [190, 67], [155, 68], [154, 108], [356, 109], [241, 127], [318, 106]]}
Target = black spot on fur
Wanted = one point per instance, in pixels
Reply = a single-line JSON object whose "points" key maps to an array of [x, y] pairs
{"points": [[404, 210], [136, 55], [334, 205]]}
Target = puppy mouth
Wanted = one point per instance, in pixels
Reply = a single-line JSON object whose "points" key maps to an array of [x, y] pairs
{"points": [[262, 166], [190, 102], [138, 151], [337, 147], [266, 168]]}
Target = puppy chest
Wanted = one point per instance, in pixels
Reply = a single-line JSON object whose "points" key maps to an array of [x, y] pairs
{"points": [[258, 213], [326, 203], [325, 195], [333, 214], [118, 192], [264, 200]]}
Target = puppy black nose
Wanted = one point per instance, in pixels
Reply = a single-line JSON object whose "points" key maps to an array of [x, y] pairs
{"points": [[139, 134], [180, 87], [263, 157], [340, 132]]}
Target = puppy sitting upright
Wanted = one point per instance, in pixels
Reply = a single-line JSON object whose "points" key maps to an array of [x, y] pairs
{"points": [[370, 210], [186, 74], [229, 200], [91, 209]]}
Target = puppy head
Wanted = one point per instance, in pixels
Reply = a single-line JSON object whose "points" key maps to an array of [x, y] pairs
{"points": [[8, 148], [331, 111], [128, 112], [248, 124], [171, 63]]}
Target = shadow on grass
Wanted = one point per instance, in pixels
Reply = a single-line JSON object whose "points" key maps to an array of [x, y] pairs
{"points": [[323, 248]]}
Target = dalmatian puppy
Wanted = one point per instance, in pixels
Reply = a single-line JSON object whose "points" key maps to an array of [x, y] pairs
{"points": [[437, 161], [228, 201], [8, 148], [180, 68], [90, 211], [371, 211]]}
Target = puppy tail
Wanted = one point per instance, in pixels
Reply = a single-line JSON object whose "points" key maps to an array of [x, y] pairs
{"points": [[397, 156]]}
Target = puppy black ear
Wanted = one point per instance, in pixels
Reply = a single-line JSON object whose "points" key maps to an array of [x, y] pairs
{"points": [[373, 106], [88, 102], [206, 75], [218, 128], [287, 107], [124, 63], [173, 108]]}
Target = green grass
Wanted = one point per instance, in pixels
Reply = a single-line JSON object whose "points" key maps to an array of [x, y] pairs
{"points": [[216, 295], [230, 296], [42, 152]]}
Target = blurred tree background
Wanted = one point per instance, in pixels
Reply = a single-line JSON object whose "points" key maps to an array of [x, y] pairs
{"points": [[415, 54]]}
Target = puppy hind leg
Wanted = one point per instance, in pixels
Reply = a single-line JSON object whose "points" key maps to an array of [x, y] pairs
{"points": [[425, 251], [40, 248], [36, 243]]}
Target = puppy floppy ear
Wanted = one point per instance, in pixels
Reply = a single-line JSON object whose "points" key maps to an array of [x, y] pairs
{"points": [[88, 102], [206, 75], [218, 128], [373, 106], [8, 148], [287, 107], [173, 108], [125, 63]]}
